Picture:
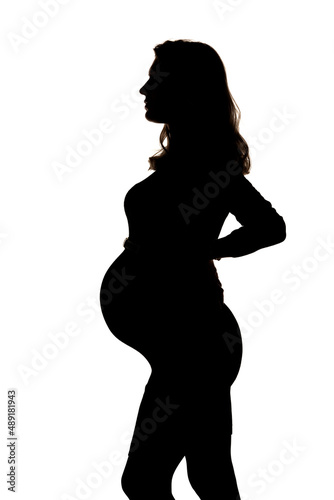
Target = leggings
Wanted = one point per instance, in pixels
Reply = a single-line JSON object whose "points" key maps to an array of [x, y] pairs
{"points": [[186, 412]]}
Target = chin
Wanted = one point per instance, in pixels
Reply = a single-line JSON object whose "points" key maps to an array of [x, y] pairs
{"points": [[151, 118]]}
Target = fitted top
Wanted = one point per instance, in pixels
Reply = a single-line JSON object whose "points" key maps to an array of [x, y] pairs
{"points": [[177, 214]]}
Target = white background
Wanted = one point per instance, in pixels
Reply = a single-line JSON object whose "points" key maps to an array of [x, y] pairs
{"points": [[59, 235]]}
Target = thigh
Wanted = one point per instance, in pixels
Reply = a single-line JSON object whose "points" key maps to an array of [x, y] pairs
{"points": [[157, 439], [157, 445], [210, 469], [207, 413], [208, 442]]}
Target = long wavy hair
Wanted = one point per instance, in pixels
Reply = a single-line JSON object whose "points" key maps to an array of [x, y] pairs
{"points": [[212, 114]]}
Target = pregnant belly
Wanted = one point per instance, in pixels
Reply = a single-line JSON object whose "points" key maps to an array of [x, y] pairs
{"points": [[117, 291], [149, 307], [130, 303]]}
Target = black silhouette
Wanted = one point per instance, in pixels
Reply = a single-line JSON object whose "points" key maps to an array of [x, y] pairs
{"points": [[162, 295]]}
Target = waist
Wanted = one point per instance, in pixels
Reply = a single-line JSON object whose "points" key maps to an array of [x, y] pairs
{"points": [[132, 246], [176, 272], [176, 250]]}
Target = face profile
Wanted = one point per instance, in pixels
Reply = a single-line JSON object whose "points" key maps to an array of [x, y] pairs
{"points": [[158, 94], [187, 92]]}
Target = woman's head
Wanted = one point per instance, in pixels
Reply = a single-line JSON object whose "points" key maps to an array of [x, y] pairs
{"points": [[188, 92]]}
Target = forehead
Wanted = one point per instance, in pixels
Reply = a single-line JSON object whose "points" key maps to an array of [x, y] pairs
{"points": [[157, 65], [153, 66]]}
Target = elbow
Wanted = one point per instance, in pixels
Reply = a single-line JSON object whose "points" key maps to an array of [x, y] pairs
{"points": [[279, 229]]}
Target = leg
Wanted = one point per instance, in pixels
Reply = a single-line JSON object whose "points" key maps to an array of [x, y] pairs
{"points": [[210, 470], [208, 448], [208, 411], [157, 445]]}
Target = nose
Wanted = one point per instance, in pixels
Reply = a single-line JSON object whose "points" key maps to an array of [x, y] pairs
{"points": [[145, 88]]}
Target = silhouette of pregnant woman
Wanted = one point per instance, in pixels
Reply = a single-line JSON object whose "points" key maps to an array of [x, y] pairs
{"points": [[162, 295]]}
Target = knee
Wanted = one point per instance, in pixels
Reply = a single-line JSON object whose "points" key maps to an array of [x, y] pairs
{"points": [[214, 480], [144, 478], [129, 481], [133, 481]]}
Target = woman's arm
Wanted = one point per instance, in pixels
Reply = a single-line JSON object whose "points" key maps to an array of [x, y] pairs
{"points": [[261, 227]]}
